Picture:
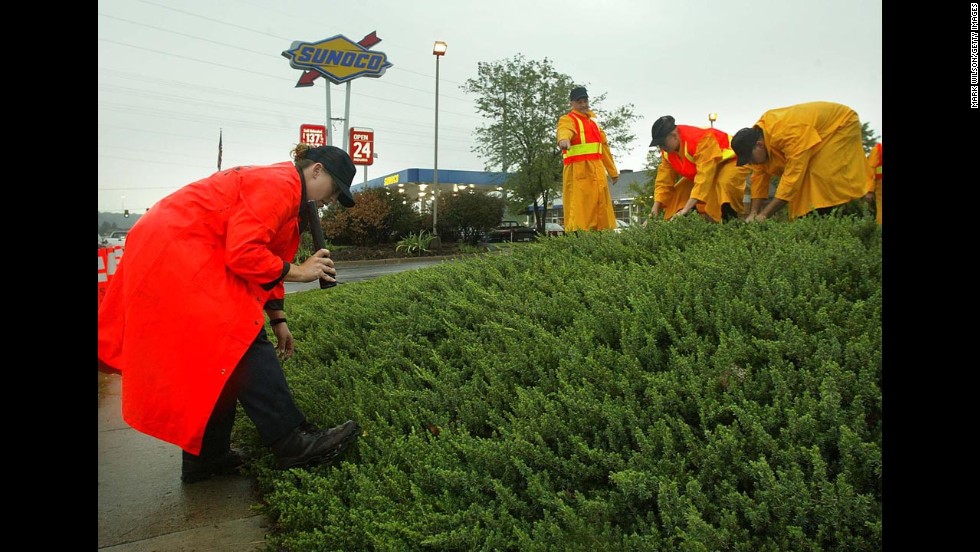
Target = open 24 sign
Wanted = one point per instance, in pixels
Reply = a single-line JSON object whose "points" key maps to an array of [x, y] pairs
{"points": [[362, 146]]}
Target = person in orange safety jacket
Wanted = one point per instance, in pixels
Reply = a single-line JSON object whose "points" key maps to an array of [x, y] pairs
{"points": [[814, 147], [873, 189], [586, 201], [698, 170], [182, 319]]}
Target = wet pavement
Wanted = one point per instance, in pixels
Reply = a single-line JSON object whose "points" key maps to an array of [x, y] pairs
{"points": [[144, 507], [358, 271]]}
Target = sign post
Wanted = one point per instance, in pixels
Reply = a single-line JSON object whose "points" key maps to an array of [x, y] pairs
{"points": [[340, 60]]}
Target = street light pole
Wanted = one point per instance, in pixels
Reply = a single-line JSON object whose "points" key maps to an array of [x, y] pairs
{"points": [[712, 117], [438, 50]]}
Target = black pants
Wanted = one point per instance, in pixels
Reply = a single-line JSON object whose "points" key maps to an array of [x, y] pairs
{"points": [[259, 384], [728, 213]]}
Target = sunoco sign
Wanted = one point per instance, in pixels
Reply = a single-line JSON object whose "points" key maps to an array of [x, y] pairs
{"points": [[337, 58]]}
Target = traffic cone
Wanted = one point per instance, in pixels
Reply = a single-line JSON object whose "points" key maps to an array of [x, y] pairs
{"points": [[112, 261], [117, 253], [104, 272]]}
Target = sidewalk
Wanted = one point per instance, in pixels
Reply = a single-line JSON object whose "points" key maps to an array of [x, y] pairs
{"points": [[144, 507]]}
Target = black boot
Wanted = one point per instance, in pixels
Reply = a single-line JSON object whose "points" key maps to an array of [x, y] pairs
{"points": [[300, 447], [194, 469]]}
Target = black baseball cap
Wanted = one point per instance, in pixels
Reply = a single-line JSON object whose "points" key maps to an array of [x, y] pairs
{"points": [[743, 142], [661, 128], [577, 92], [340, 166]]}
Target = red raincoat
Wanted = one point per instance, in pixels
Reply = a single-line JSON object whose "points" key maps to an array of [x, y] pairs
{"points": [[187, 298]]}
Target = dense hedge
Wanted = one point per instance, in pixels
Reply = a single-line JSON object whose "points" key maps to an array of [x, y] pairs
{"points": [[685, 387]]}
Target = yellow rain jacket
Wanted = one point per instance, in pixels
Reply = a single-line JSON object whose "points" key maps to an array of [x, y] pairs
{"points": [[874, 180], [586, 201], [816, 148], [705, 164]]}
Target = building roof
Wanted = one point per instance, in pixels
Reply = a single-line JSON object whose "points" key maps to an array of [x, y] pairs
{"points": [[415, 180], [621, 189], [447, 177]]}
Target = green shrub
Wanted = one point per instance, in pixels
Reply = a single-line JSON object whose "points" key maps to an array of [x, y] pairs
{"points": [[415, 243], [468, 249], [306, 247], [685, 386], [467, 216], [378, 216]]}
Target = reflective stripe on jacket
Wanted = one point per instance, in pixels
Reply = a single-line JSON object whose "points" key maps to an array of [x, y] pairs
{"points": [[683, 161], [586, 144]]}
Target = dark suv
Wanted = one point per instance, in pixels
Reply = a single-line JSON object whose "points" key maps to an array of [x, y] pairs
{"points": [[512, 231]]}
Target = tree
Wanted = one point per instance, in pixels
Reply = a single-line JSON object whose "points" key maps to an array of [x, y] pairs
{"points": [[643, 192], [522, 100], [107, 228], [536, 184], [868, 138], [402, 219], [467, 216], [378, 216]]}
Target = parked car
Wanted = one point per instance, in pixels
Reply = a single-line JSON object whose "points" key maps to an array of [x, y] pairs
{"points": [[117, 238], [620, 226], [553, 229], [512, 231]]}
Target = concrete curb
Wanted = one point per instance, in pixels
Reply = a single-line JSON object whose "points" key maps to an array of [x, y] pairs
{"points": [[399, 260]]}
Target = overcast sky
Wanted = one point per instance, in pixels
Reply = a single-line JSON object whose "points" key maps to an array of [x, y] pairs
{"points": [[172, 73]]}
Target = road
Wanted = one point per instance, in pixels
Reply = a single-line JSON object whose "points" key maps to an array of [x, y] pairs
{"points": [[358, 271]]}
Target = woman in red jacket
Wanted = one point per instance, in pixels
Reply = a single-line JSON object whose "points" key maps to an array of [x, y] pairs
{"points": [[182, 318]]}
